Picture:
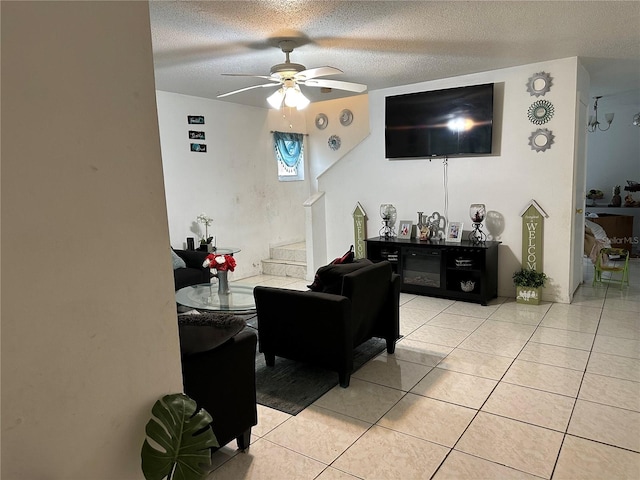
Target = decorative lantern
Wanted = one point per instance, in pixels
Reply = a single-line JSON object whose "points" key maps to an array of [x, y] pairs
{"points": [[389, 215], [477, 212]]}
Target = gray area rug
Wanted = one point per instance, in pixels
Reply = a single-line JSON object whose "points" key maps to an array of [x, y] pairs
{"points": [[292, 386]]}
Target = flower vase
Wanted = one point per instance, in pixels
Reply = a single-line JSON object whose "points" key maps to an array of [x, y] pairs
{"points": [[223, 282]]}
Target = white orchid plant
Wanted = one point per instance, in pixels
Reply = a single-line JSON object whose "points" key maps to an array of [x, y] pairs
{"points": [[206, 221]]}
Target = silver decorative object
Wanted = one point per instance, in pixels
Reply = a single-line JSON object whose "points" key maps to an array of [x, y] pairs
{"points": [[346, 117], [539, 84], [389, 215], [541, 139], [334, 142], [321, 121], [540, 112], [437, 226], [467, 286]]}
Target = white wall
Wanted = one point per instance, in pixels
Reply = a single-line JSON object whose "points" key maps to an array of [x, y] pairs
{"points": [[89, 333], [505, 182], [235, 182], [613, 157]]}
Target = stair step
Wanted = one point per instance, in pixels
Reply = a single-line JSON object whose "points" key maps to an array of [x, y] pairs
{"points": [[284, 268], [296, 252]]}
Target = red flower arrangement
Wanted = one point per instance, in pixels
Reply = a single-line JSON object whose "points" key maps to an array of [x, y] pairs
{"points": [[220, 262]]}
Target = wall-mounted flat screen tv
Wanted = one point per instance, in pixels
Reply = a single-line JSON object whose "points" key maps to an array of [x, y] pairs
{"points": [[451, 122]]}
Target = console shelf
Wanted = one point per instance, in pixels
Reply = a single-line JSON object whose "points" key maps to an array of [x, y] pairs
{"points": [[459, 271]]}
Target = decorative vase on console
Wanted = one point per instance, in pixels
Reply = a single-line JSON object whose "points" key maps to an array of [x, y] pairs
{"points": [[423, 232]]}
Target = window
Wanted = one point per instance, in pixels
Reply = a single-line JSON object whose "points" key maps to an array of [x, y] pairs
{"points": [[289, 149]]}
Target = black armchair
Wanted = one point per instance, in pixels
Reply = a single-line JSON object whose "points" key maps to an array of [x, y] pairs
{"points": [[220, 377], [324, 328]]}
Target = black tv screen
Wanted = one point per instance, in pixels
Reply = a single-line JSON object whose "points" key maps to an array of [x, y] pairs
{"points": [[455, 121]]}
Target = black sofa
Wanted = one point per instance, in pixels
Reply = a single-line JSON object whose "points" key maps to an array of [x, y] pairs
{"points": [[218, 372], [194, 273], [324, 328]]}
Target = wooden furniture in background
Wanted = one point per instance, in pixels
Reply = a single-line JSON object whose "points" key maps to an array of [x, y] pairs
{"points": [[619, 229]]}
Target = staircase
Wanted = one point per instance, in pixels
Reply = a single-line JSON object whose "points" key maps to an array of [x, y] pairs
{"points": [[287, 261]]}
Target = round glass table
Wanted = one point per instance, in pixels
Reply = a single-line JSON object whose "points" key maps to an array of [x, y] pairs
{"points": [[205, 296], [226, 250]]}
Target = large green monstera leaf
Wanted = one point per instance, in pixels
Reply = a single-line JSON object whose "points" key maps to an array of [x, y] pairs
{"points": [[184, 437]]}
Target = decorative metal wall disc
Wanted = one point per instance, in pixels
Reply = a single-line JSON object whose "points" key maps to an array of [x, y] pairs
{"points": [[334, 142], [346, 117], [541, 139], [540, 112], [539, 84], [321, 121]]}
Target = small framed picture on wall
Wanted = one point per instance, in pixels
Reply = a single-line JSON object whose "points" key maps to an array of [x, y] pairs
{"points": [[199, 147], [404, 229], [454, 232]]}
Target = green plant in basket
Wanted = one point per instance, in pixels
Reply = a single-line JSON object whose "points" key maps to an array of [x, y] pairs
{"points": [[529, 278], [179, 439]]}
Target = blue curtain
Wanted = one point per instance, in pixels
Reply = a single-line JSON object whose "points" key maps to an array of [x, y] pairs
{"points": [[288, 147]]}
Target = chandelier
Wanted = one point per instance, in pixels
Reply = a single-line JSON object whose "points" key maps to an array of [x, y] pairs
{"points": [[593, 123]]}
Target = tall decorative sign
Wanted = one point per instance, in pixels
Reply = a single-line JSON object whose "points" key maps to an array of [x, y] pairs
{"points": [[533, 236], [360, 231]]}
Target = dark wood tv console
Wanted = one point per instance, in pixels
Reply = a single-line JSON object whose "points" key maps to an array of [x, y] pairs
{"points": [[459, 271]]}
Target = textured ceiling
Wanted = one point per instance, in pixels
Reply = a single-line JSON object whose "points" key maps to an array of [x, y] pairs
{"points": [[388, 43]]}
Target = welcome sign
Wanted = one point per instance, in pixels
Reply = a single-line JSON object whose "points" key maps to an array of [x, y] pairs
{"points": [[533, 236], [359, 231]]}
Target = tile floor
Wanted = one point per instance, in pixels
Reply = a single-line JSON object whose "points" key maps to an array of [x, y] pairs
{"points": [[504, 391]]}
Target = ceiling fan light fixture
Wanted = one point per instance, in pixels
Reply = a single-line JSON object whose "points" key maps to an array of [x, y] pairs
{"points": [[291, 96], [289, 76], [298, 99], [275, 99]]}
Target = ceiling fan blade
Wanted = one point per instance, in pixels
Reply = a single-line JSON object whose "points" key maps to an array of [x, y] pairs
{"points": [[317, 72], [266, 77], [249, 88], [337, 84]]}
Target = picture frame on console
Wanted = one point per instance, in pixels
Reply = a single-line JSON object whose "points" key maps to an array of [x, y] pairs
{"points": [[454, 232], [404, 229]]}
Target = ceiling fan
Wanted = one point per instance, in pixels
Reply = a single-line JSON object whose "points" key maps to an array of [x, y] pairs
{"points": [[289, 76]]}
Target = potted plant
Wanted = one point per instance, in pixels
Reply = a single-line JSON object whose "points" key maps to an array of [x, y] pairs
{"points": [[181, 440], [205, 241], [529, 285]]}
